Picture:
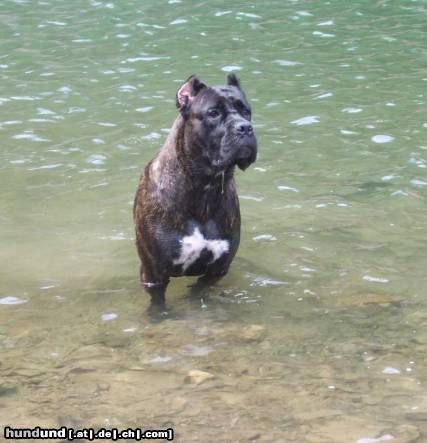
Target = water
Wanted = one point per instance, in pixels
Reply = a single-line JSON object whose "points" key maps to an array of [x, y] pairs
{"points": [[318, 333]]}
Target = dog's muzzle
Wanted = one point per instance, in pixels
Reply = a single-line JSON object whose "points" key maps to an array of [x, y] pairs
{"points": [[246, 158], [247, 151], [246, 144]]}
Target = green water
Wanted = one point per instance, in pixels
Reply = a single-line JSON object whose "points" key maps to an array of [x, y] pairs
{"points": [[318, 333]]}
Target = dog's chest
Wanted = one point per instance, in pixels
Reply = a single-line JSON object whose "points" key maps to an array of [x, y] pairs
{"points": [[199, 248]]}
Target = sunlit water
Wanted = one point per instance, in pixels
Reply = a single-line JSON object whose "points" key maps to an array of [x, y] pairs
{"points": [[318, 333]]}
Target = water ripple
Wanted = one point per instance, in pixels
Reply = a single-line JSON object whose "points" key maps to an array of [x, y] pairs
{"points": [[29, 136], [309, 120], [382, 138], [231, 68], [10, 300]]}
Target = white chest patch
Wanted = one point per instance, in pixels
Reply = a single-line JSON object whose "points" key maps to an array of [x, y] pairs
{"points": [[193, 245]]}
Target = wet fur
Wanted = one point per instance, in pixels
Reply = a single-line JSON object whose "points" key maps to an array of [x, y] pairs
{"points": [[179, 187]]}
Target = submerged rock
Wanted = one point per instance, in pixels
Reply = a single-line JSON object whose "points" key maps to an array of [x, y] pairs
{"points": [[197, 377], [246, 334], [406, 434], [401, 434], [7, 388], [253, 333], [368, 299]]}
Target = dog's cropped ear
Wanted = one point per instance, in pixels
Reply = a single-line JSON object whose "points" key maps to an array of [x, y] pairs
{"points": [[232, 80], [188, 91]]}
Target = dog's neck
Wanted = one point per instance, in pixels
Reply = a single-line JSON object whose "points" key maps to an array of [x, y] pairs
{"points": [[209, 195]]}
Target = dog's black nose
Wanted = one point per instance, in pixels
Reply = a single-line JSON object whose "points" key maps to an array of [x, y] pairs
{"points": [[244, 128]]}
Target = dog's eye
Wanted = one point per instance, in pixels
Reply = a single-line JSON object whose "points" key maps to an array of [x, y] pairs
{"points": [[246, 112], [213, 113]]}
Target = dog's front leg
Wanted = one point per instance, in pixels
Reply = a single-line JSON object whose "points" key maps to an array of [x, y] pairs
{"points": [[155, 284], [157, 291]]}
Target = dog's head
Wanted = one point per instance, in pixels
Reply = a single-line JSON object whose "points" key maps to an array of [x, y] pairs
{"points": [[217, 125]]}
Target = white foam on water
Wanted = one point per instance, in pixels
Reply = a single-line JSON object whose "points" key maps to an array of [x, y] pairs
{"points": [[96, 159], [30, 136], [152, 136], [399, 192], [387, 178], [322, 96], [390, 371], [231, 68], [351, 110], [383, 438], [418, 183], [106, 124], [109, 316], [143, 59], [41, 120], [98, 185], [304, 14], [287, 63], [323, 34], [251, 197], [372, 279], [160, 359], [50, 166], [44, 111], [11, 122], [266, 237], [127, 88], [115, 237], [248, 14], [309, 120], [10, 300], [145, 109], [178, 21], [18, 162], [24, 98], [287, 188], [264, 282], [381, 138]]}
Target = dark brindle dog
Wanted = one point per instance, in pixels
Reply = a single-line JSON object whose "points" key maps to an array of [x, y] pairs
{"points": [[186, 210]]}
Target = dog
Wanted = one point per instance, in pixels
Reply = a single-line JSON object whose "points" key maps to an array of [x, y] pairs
{"points": [[186, 209]]}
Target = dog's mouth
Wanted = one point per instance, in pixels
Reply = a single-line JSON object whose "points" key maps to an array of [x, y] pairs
{"points": [[246, 155], [244, 163], [243, 154]]}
